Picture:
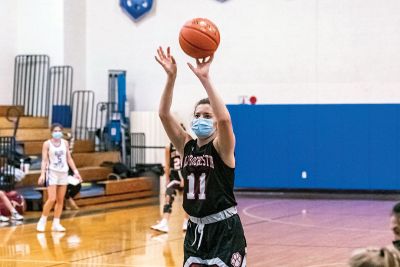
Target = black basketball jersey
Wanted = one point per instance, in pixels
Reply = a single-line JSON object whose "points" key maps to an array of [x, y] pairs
{"points": [[209, 181], [174, 158], [174, 163]]}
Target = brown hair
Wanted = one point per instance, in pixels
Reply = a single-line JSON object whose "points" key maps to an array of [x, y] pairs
{"points": [[375, 257], [201, 102], [55, 125], [396, 209]]}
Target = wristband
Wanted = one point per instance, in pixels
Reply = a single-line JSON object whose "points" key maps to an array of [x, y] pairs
{"points": [[76, 171]]}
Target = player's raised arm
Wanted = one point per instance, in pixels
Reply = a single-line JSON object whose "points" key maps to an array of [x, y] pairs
{"points": [[175, 133], [225, 139]]}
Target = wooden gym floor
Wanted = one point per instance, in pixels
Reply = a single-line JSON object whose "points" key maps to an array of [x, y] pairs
{"points": [[282, 231]]}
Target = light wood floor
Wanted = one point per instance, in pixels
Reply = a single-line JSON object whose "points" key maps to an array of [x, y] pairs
{"points": [[280, 232]]}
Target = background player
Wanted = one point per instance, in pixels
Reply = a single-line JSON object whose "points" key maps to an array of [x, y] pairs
{"points": [[174, 183], [54, 171]]}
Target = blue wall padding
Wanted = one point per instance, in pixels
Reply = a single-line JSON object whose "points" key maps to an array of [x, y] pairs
{"points": [[339, 146]]}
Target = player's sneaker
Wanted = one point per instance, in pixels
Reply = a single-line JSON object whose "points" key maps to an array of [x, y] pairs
{"points": [[162, 238], [185, 224], [41, 226], [161, 226], [4, 219], [57, 237], [16, 216], [41, 237], [57, 228]]}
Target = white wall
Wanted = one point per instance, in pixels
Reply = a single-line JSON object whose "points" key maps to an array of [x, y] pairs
{"points": [[53, 27], [148, 122], [282, 51], [8, 34], [331, 51], [40, 29], [75, 40]]}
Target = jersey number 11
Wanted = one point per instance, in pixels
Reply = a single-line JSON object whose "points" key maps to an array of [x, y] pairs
{"points": [[191, 179]]}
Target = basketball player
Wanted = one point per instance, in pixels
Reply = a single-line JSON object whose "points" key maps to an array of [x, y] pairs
{"points": [[174, 183], [14, 213], [215, 234], [375, 257], [395, 225], [55, 160]]}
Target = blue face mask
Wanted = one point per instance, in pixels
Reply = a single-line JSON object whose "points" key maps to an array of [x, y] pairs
{"points": [[203, 128], [56, 135]]}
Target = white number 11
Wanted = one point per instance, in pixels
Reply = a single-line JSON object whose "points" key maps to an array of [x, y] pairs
{"points": [[191, 178]]}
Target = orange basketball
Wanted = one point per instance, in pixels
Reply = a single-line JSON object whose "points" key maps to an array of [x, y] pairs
{"points": [[199, 38]]}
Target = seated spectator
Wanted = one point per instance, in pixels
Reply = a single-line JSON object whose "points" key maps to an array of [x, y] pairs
{"points": [[388, 256], [14, 213], [73, 189], [74, 184], [395, 225], [375, 257]]}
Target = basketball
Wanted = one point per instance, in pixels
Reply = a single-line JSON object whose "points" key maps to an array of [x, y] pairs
{"points": [[199, 38]]}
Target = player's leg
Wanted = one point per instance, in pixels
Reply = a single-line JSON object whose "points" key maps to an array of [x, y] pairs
{"points": [[60, 194], [51, 199], [170, 195]]}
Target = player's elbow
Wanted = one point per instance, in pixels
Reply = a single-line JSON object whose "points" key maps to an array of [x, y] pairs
{"points": [[224, 121], [162, 114]]}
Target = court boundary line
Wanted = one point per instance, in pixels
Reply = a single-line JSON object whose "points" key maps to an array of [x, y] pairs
{"points": [[249, 214]]}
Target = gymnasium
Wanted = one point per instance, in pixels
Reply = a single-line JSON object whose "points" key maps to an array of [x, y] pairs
{"points": [[309, 88]]}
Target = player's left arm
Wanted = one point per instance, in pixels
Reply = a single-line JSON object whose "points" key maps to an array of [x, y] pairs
{"points": [[225, 140], [167, 169]]}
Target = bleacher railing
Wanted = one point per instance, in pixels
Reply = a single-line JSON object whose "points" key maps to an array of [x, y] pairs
{"points": [[30, 84], [82, 118], [7, 156], [138, 149], [60, 91]]}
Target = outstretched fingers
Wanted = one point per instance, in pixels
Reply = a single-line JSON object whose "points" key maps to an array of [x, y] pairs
{"points": [[160, 53], [162, 57], [204, 60], [158, 60], [168, 52], [191, 66], [208, 59]]}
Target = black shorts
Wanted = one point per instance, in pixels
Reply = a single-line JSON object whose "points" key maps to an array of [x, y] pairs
{"points": [[223, 244]]}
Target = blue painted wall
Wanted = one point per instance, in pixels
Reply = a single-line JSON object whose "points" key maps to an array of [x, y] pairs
{"points": [[353, 146]]}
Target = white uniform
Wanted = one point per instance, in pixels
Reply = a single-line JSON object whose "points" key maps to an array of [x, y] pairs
{"points": [[57, 173]]}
